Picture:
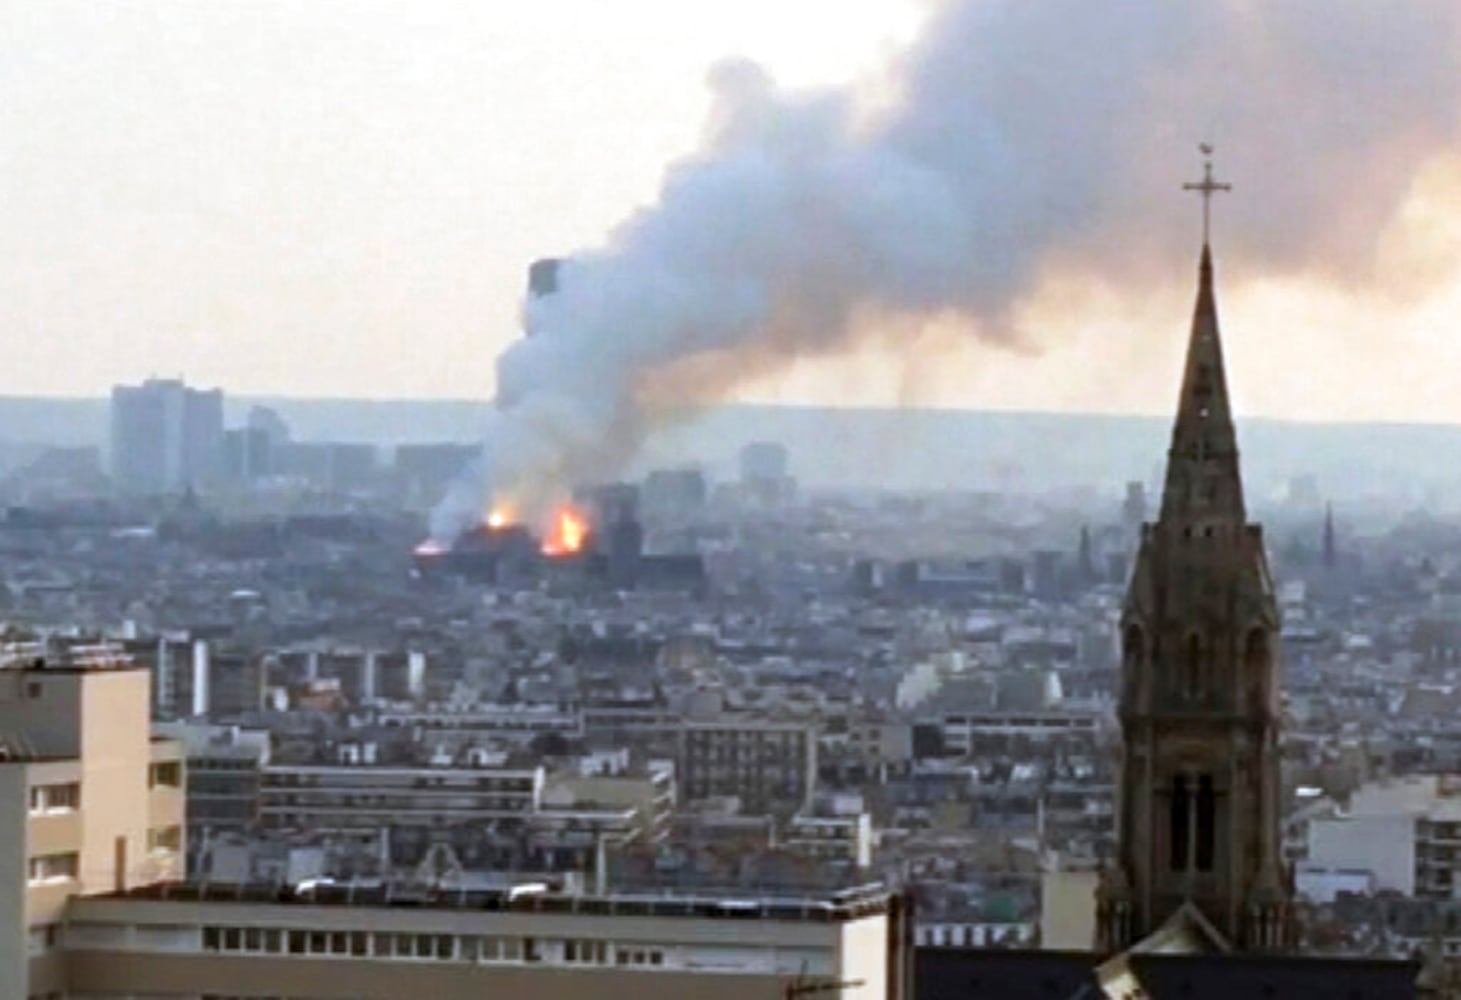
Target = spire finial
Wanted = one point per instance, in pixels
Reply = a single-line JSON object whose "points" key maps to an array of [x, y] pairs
{"points": [[1207, 187]]}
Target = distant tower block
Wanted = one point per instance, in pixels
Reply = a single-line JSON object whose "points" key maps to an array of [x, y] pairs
{"points": [[1331, 552], [1133, 509], [543, 276]]}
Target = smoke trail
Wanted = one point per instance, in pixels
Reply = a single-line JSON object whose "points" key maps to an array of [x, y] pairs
{"points": [[1019, 138]]}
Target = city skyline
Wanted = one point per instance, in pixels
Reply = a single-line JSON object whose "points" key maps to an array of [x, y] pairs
{"points": [[348, 208]]}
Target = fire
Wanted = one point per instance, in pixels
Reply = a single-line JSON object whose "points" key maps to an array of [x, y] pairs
{"points": [[500, 516], [567, 533]]}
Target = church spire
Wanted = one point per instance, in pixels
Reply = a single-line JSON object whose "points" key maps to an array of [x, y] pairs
{"points": [[1199, 807], [1203, 481]]}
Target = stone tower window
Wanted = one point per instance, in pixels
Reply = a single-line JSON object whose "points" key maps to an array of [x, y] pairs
{"points": [[1206, 823], [1177, 835]]}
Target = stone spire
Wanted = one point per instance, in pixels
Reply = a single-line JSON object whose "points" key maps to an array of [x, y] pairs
{"points": [[1203, 481], [1199, 806]]}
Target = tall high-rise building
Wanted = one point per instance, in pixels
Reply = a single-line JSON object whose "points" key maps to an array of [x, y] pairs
{"points": [[1198, 819], [165, 437], [765, 472]]}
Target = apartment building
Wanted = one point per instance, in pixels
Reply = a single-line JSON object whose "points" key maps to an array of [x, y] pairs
{"points": [[357, 794], [1404, 832], [974, 732], [89, 803], [224, 765], [371, 944], [93, 819], [768, 764]]}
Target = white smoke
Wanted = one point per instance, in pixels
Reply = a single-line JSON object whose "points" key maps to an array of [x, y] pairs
{"points": [[1013, 137]]}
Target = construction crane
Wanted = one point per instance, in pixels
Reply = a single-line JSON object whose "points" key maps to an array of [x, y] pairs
{"points": [[801, 987]]}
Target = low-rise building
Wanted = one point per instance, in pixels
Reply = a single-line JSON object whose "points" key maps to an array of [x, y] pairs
{"points": [[370, 944]]}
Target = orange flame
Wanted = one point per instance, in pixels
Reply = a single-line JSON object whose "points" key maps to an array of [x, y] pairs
{"points": [[567, 533]]}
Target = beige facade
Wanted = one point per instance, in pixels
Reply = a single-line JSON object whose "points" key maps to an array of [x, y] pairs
{"points": [[90, 802], [143, 945]]}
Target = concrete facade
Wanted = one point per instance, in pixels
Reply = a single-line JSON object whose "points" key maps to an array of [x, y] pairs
{"points": [[587, 947], [89, 802]]}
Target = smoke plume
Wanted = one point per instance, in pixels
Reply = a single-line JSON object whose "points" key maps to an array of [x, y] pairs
{"points": [[1012, 140]]}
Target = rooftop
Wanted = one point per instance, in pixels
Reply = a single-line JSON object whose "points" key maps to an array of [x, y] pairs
{"points": [[737, 902]]}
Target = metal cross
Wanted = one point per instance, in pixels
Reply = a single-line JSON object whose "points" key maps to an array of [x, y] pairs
{"points": [[1206, 187]]}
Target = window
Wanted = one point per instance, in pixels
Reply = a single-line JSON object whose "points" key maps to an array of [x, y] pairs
{"points": [[55, 798], [1206, 823], [43, 938], [168, 773], [212, 938], [167, 838], [587, 952], [1177, 833], [54, 867]]}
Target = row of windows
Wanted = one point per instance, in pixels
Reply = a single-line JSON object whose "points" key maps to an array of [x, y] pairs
{"points": [[320, 800], [433, 947], [373, 778], [64, 797]]}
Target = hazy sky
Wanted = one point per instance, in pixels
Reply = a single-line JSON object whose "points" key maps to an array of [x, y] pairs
{"points": [[321, 198]]}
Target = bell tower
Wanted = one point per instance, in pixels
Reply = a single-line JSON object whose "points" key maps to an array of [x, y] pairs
{"points": [[1198, 799]]}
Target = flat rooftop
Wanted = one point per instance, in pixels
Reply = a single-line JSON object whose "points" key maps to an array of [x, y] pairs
{"points": [[731, 903]]}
